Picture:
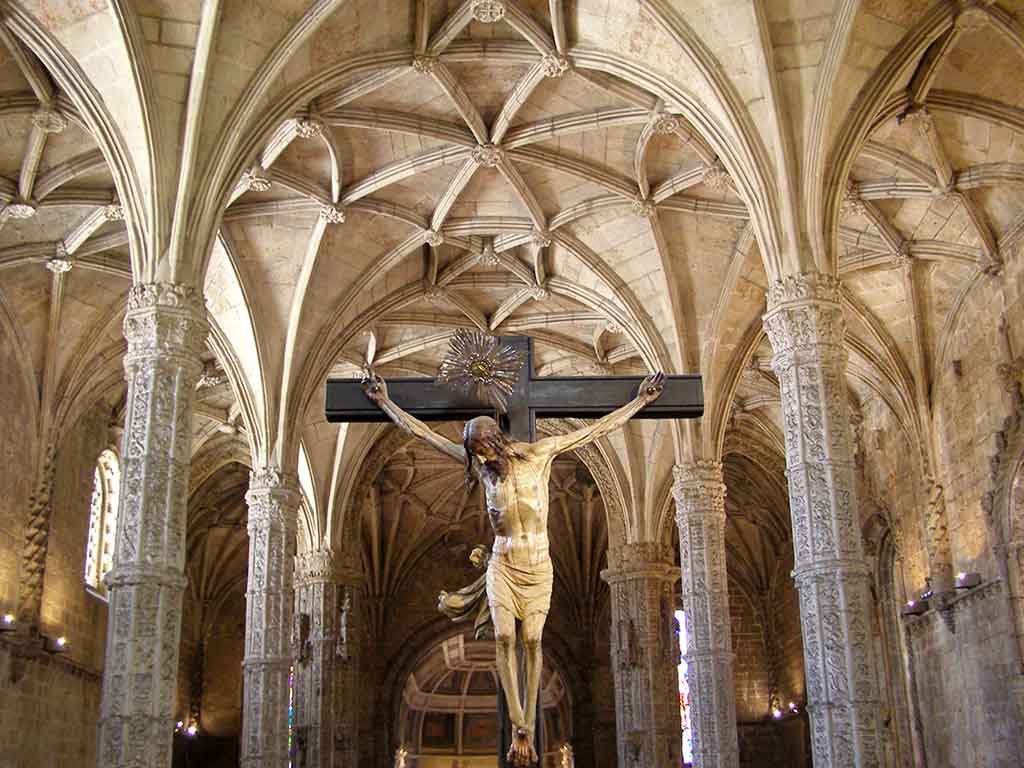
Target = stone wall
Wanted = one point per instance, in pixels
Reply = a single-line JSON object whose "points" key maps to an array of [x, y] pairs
{"points": [[963, 660], [971, 404], [750, 669], [49, 716], [50, 706]]}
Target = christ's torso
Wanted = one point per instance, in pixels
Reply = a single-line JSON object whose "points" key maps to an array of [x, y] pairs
{"points": [[517, 506]]}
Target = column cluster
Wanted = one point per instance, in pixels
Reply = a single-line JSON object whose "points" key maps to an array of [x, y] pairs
{"points": [[273, 500], [645, 655], [165, 327], [700, 517], [805, 326], [326, 669]]}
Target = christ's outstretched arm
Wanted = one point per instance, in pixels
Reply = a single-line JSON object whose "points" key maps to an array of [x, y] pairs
{"points": [[377, 391], [650, 390]]}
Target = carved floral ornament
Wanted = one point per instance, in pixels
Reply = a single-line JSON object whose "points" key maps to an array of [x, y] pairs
{"points": [[699, 489], [488, 155], [487, 11]]}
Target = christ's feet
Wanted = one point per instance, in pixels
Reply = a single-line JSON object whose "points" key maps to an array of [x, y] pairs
{"points": [[521, 754]]}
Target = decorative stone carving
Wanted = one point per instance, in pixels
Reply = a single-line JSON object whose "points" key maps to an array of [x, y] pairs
{"points": [[540, 238], [716, 177], [113, 212], [424, 64], [434, 293], [902, 258], [488, 11], [805, 326], [487, 155], [489, 257], [49, 121], [165, 327], [256, 180], [273, 500], [308, 128], [640, 576], [22, 209], [332, 214], [853, 204], [326, 681], [920, 118], [433, 238], [554, 65], [643, 206], [666, 124], [59, 264], [37, 541], [539, 292], [940, 553], [700, 516]]}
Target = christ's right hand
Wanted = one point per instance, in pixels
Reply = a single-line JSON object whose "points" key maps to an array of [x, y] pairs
{"points": [[375, 388]]}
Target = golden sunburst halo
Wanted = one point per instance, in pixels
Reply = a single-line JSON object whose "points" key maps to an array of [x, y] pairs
{"points": [[482, 367]]}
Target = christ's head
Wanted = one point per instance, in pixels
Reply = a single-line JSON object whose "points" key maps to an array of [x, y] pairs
{"points": [[486, 443]]}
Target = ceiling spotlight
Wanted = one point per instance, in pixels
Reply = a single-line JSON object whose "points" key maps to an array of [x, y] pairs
{"points": [[915, 607], [55, 644], [967, 580], [7, 622]]}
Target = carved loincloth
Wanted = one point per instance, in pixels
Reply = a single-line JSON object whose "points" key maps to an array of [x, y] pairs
{"points": [[522, 588], [521, 585], [469, 603]]}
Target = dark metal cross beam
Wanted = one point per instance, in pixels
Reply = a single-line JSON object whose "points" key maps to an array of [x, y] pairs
{"points": [[555, 397]]}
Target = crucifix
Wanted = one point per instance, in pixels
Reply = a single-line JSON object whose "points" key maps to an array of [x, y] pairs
{"points": [[514, 596], [584, 397]]}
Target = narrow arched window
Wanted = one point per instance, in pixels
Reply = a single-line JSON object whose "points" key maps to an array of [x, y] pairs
{"points": [[99, 553]]}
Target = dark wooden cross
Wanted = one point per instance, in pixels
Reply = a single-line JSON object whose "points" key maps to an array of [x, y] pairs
{"points": [[555, 397], [584, 397]]}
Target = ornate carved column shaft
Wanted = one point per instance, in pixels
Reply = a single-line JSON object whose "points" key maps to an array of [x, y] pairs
{"points": [[273, 500], [645, 655], [805, 326], [326, 672], [165, 327], [37, 540], [700, 517]]}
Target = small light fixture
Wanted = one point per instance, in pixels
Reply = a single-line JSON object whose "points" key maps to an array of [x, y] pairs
{"points": [[7, 622], [793, 708], [55, 644], [777, 713], [179, 726], [915, 607], [968, 580], [192, 730]]}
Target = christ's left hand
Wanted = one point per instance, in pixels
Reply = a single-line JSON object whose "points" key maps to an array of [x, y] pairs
{"points": [[652, 387]]}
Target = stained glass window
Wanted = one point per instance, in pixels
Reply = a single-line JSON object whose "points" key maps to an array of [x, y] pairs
{"points": [[99, 553], [291, 711], [684, 691]]}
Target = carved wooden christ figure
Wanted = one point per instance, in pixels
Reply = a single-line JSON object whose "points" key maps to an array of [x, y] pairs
{"points": [[514, 476]]}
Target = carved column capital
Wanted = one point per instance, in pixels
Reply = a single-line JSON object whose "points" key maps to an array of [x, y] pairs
{"points": [[315, 567], [639, 559], [166, 321], [698, 489]]}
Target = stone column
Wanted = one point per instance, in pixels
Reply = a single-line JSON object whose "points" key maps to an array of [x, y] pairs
{"points": [[273, 500], [327, 650], [165, 327], [805, 325], [700, 517], [645, 656]]}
